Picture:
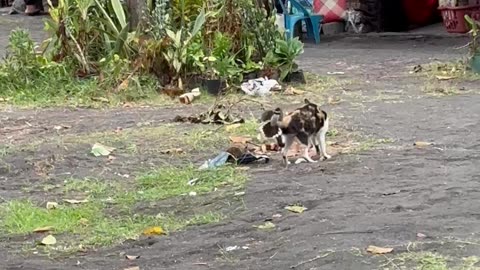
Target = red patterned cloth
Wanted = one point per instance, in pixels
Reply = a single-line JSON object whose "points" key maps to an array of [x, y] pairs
{"points": [[332, 10]]}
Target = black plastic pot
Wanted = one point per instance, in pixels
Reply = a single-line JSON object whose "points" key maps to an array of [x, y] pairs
{"points": [[215, 86], [296, 77]]}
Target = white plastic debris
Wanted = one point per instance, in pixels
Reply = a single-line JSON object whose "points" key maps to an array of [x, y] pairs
{"points": [[232, 248], [260, 86]]}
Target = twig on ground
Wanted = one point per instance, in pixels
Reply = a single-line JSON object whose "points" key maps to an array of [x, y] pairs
{"points": [[311, 260]]}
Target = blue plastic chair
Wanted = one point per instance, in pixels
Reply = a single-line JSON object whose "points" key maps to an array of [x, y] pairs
{"points": [[301, 14]]}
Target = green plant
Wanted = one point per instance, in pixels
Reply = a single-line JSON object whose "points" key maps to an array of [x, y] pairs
{"points": [[176, 54], [283, 56], [258, 30], [87, 31], [473, 45]]}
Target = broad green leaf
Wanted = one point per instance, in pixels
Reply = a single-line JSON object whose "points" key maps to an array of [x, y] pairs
{"points": [[121, 40], [111, 24], [198, 23], [119, 12]]}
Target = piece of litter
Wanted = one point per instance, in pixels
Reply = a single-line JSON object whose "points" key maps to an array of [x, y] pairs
{"points": [[245, 247], [187, 98], [193, 181], [75, 201], [99, 149], [231, 248], [218, 161], [421, 235], [132, 257], [422, 144], [260, 87], [49, 240], [241, 193], [445, 78], [192, 193], [51, 205], [277, 216], [335, 73]]}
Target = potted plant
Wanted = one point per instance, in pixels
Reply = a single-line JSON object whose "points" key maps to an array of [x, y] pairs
{"points": [[212, 82], [283, 56], [474, 54], [219, 71]]}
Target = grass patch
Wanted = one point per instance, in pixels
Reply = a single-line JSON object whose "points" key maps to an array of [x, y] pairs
{"points": [[437, 88], [425, 260], [172, 181], [87, 225], [110, 214]]}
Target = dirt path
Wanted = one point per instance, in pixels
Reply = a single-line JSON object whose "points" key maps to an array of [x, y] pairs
{"points": [[382, 197]]}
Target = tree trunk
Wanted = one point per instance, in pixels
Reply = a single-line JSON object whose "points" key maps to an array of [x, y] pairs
{"points": [[135, 9]]}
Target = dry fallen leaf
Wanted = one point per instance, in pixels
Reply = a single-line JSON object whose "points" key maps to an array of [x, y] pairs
{"points": [[49, 240], [153, 231], [296, 208], [422, 144], [293, 91], [52, 205], [132, 257], [267, 226], [75, 201], [43, 229], [83, 221], [240, 139], [379, 250], [101, 99]]}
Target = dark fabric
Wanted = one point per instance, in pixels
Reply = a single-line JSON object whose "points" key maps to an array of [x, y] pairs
{"points": [[383, 15], [33, 2]]}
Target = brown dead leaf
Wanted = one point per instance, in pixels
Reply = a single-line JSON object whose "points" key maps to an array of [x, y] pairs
{"points": [[132, 257], [293, 91], [153, 231], [75, 201], [43, 229], [123, 85], [83, 221], [379, 250], [240, 139]]}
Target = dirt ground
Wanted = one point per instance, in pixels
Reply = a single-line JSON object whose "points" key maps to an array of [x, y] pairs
{"points": [[382, 197]]}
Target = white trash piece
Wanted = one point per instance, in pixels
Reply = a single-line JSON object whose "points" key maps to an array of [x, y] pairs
{"points": [[260, 86]]}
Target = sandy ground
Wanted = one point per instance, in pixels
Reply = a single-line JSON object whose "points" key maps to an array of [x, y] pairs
{"points": [[380, 197]]}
